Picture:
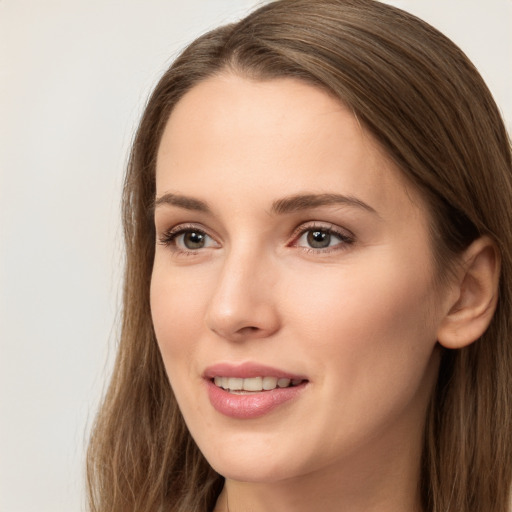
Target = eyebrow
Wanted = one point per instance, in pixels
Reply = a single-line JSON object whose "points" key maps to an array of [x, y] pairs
{"points": [[185, 202], [281, 206], [305, 201]]}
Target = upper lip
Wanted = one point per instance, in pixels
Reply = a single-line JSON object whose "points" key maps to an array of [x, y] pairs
{"points": [[247, 370]]}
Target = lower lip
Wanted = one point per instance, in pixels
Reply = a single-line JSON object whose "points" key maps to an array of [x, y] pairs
{"points": [[251, 405]]}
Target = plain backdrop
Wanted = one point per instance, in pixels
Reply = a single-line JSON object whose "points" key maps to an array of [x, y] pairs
{"points": [[74, 76]]}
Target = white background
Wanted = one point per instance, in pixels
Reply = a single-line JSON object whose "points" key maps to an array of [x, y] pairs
{"points": [[74, 76]]}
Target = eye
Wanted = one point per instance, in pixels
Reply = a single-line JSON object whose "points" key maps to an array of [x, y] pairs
{"points": [[322, 238], [187, 239], [192, 240], [317, 239]]}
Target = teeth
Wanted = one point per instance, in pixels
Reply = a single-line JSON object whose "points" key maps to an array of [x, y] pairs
{"points": [[269, 383], [254, 383], [283, 383], [235, 384]]}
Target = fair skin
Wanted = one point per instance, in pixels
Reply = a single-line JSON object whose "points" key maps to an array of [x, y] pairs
{"points": [[337, 288]]}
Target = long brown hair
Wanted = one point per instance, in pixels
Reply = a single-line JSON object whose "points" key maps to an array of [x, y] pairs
{"points": [[422, 99]]}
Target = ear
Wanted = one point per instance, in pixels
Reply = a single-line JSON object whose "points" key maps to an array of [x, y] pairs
{"points": [[476, 295]]}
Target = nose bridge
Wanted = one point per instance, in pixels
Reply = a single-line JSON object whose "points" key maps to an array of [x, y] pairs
{"points": [[243, 303]]}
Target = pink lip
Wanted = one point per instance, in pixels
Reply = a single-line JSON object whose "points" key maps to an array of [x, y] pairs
{"points": [[253, 405], [246, 371]]}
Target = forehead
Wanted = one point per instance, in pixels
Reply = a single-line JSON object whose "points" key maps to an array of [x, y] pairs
{"points": [[264, 139]]}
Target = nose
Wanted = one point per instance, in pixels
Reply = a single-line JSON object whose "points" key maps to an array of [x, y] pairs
{"points": [[243, 305]]}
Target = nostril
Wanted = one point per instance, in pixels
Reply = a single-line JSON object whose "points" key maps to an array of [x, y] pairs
{"points": [[249, 328]]}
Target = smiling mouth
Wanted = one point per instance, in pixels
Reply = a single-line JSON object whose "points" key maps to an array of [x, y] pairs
{"points": [[242, 386]]}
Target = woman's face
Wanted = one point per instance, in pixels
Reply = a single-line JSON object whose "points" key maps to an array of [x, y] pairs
{"points": [[293, 292]]}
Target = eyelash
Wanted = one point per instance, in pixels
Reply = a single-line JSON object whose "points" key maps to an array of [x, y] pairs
{"points": [[345, 238], [169, 238]]}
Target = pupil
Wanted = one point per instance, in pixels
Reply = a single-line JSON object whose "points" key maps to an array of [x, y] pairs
{"points": [[193, 240], [319, 239]]}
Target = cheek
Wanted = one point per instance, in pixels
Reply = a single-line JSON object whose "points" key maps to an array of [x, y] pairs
{"points": [[367, 299], [370, 338], [368, 327], [177, 310]]}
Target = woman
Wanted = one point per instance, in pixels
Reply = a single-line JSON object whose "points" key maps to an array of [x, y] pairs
{"points": [[318, 287]]}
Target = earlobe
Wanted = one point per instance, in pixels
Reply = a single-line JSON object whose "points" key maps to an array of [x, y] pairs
{"points": [[477, 295]]}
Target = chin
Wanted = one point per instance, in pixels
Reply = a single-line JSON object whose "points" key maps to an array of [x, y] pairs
{"points": [[251, 464], [250, 472]]}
